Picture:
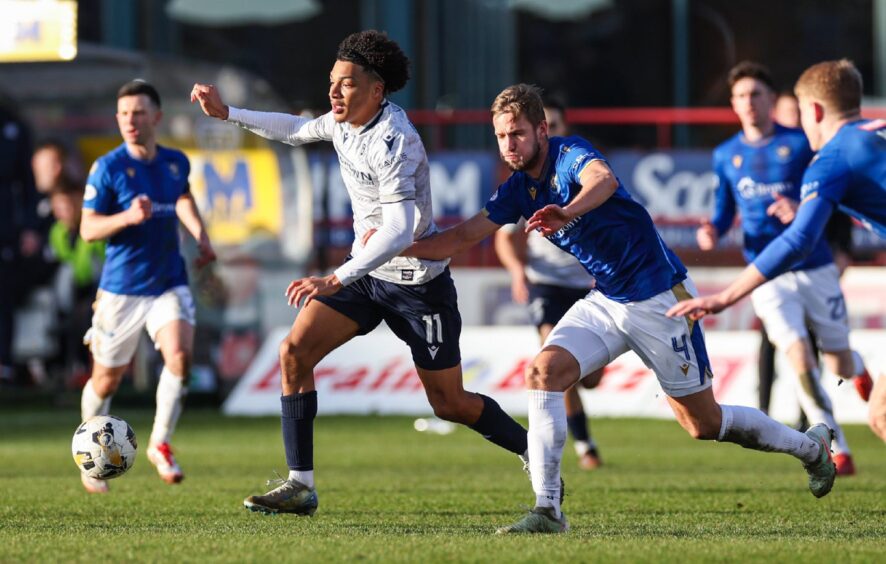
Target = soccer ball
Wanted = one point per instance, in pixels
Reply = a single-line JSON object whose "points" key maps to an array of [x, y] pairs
{"points": [[104, 447]]}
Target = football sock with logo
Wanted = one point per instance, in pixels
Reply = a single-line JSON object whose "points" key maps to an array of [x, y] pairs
{"points": [[547, 436], [297, 420], [753, 429], [171, 391], [498, 427], [91, 404]]}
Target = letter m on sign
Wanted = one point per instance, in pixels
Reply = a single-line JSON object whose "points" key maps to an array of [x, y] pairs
{"points": [[228, 196]]}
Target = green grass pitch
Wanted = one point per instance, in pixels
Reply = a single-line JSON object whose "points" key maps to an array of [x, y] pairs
{"points": [[388, 493]]}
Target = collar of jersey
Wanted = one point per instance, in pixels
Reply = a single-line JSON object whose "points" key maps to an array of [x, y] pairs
{"points": [[375, 119]]}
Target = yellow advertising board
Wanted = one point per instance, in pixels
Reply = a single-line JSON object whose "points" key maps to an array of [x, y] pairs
{"points": [[239, 192], [32, 31]]}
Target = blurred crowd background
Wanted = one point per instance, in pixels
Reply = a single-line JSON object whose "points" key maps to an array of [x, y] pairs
{"points": [[645, 80]]}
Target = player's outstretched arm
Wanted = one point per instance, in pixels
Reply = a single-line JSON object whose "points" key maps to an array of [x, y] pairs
{"points": [[189, 215], [443, 245], [696, 308], [96, 226]]}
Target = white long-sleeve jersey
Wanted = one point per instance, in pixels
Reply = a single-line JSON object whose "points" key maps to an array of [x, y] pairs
{"points": [[382, 162]]}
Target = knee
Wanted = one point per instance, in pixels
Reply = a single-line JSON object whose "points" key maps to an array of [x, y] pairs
{"points": [[105, 385], [545, 376], [295, 360], [178, 362], [449, 409]]}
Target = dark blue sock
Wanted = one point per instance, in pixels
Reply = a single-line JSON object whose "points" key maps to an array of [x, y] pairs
{"points": [[497, 426], [578, 426], [297, 419]]}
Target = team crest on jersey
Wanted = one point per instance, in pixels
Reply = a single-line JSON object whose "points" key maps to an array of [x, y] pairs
{"points": [[130, 172], [174, 171], [783, 152], [90, 193], [532, 192], [736, 161]]}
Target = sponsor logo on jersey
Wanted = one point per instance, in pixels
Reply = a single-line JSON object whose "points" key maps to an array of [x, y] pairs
{"points": [[174, 171], [389, 140], [809, 191], [130, 172], [407, 275], [393, 160], [749, 188], [736, 161], [90, 193]]}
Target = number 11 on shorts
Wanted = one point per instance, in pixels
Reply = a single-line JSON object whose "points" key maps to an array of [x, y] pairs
{"points": [[433, 322]]}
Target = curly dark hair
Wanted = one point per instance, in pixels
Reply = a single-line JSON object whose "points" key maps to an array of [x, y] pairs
{"points": [[378, 54]]}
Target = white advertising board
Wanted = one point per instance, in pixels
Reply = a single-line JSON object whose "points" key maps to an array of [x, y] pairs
{"points": [[374, 374]]}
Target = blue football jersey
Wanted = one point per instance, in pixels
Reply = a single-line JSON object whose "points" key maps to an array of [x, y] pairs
{"points": [[616, 242], [750, 176], [849, 174], [142, 260]]}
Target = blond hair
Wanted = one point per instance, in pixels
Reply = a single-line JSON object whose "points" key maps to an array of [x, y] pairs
{"points": [[837, 84], [520, 100]]}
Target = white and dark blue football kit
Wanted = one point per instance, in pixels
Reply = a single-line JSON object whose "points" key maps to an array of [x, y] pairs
{"points": [[382, 162], [144, 280], [638, 278]]}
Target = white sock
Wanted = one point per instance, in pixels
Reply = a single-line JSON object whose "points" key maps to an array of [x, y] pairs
{"points": [[91, 404], [751, 428], [171, 390], [547, 436], [816, 404], [581, 447], [306, 477], [857, 364]]}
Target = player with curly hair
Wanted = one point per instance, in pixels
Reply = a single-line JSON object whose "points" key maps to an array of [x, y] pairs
{"points": [[385, 169]]}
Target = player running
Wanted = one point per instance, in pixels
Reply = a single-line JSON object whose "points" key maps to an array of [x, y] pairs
{"points": [[759, 172], [848, 173], [565, 188], [385, 170], [136, 195], [550, 280]]}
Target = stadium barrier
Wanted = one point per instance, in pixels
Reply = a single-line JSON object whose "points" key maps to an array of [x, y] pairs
{"points": [[374, 375]]}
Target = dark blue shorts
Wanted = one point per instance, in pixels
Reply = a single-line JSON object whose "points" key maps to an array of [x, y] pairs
{"points": [[424, 316], [548, 303]]}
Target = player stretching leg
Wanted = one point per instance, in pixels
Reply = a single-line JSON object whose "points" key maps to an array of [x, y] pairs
{"points": [[759, 172], [385, 169], [849, 173], [565, 188], [136, 195], [550, 281]]}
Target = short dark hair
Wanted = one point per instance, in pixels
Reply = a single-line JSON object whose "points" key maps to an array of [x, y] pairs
{"points": [[52, 144], [376, 53], [750, 69], [67, 186], [137, 87]]}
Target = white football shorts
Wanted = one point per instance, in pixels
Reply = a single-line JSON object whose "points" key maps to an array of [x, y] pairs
{"points": [[597, 330], [790, 303], [119, 319]]}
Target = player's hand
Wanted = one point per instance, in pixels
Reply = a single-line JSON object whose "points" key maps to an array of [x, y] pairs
{"points": [[785, 209], [706, 235], [696, 308], [210, 100], [206, 254], [139, 210], [548, 220], [309, 288], [519, 290]]}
